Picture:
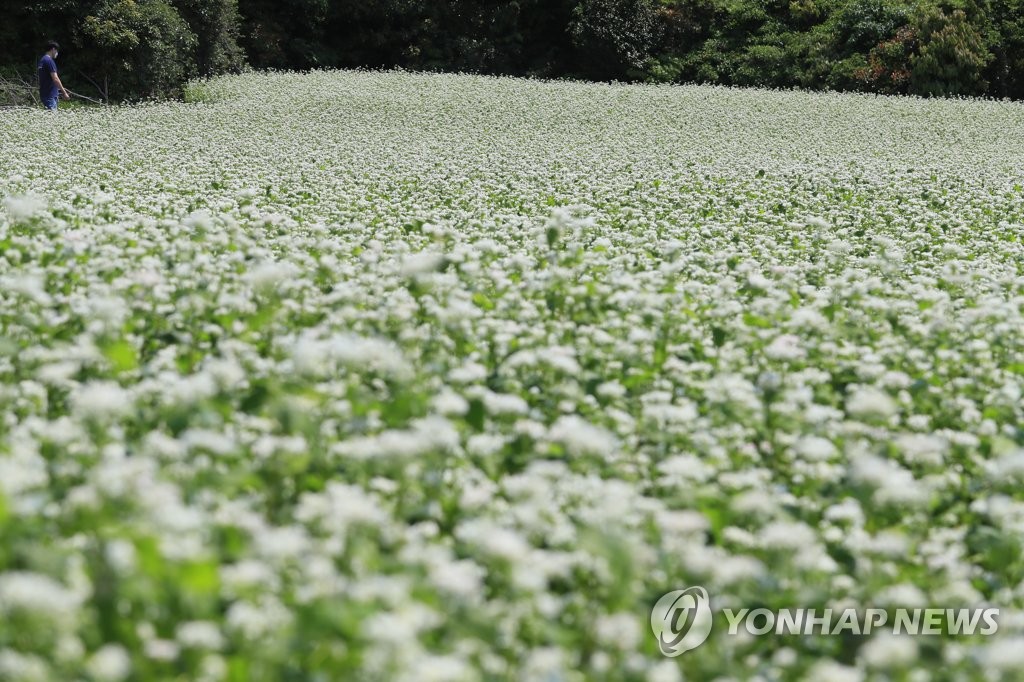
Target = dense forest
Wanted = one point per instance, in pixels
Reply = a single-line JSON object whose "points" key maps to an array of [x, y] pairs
{"points": [[123, 49]]}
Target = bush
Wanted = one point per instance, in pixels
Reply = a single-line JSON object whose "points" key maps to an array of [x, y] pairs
{"points": [[614, 38], [147, 46], [889, 64], [1006, 70], [860, 25], [952, 55], [216, 24], [150, 47]]}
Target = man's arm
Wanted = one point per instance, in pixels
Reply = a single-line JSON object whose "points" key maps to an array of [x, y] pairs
{"points": [[56, 79]]}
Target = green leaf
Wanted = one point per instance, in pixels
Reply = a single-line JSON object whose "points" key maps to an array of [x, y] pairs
{"points": [[477, 414], [482, 301], [122, 356]]}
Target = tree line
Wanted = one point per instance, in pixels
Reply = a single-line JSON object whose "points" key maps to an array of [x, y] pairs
{"points": [[125, 49]]}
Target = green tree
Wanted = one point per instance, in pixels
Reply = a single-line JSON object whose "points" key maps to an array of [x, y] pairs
{"points": [[951, 57], [614, 38], [889, 64], [150, 47], [146, 45], [1006, 70], [216, 24], [867, 45]]}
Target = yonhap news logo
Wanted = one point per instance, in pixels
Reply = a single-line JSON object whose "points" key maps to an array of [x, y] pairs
{"points": [[681, 621]]}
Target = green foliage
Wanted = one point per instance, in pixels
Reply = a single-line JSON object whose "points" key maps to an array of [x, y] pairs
{"points": [[860, 25], [147, 44], [615, 37], [141, 48], [216, 24], [197, 92], [908, 46], [927, 47], [951, 57], [1006, 70], [889, 69]]}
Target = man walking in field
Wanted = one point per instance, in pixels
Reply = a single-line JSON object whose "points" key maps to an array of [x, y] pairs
{"points": [[49, 82]]}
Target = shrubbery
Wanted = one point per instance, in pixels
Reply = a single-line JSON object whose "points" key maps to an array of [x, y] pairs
{"points": [[148, 47], [916, 47], [615, 36], [126, 48], [924, 47]]}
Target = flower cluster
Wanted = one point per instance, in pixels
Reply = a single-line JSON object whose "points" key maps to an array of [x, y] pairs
{"points": [[384, 376]]}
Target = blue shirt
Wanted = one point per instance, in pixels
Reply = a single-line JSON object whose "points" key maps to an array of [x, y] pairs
{"points": [[47, 88]]}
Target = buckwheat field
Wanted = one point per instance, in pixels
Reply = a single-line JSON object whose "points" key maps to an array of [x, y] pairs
{"points": [[387, 377]]}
